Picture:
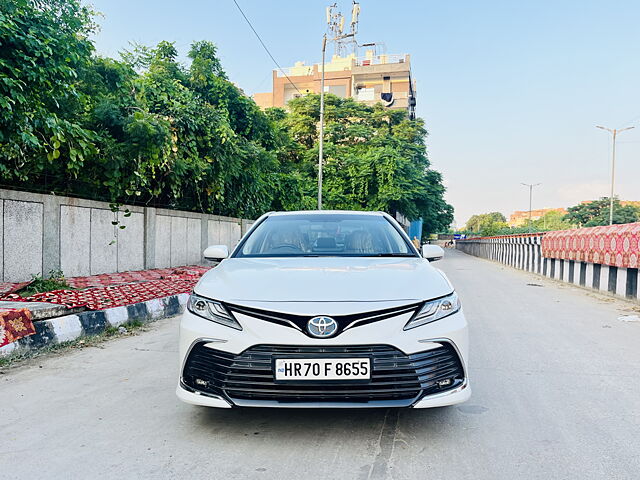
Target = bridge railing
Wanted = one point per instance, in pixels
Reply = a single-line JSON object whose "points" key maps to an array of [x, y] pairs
{"points": [[602, 258]]}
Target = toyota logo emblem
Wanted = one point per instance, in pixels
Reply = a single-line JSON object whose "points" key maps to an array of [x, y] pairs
{"points": [[322, 327]]}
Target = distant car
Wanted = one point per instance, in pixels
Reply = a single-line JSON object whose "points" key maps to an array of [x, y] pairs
{"points": [[324, 309]]}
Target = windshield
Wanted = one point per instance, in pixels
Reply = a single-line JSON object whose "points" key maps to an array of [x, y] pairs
{"points": [[339, 235]]}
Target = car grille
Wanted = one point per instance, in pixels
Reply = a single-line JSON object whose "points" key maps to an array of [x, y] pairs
{"points": [[394, 376]]}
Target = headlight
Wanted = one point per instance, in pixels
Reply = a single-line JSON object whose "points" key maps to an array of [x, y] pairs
{"points": [[212, 310], [435, 310]]}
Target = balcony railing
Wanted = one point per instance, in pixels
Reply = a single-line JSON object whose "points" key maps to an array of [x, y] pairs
{"points": [[307, 70], [381, 60]]}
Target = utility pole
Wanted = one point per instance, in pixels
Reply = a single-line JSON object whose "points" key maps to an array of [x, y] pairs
{"points": [[614, 132], [530, 185], [321, 140], [335, 21]]}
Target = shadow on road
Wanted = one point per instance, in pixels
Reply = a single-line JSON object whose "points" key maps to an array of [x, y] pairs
{"points": [[297, 424]]}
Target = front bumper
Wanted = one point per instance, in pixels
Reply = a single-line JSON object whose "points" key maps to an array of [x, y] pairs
{"points": [[452, 397], [256, 344]]}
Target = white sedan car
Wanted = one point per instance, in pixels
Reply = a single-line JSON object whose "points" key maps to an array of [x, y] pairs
{"points": [[324, 309]]}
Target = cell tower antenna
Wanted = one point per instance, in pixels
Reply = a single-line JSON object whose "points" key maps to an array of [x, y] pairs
{"points": [[335, 25], [355, 12]]}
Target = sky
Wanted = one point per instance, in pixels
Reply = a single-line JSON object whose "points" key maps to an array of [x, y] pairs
{"points": [[511, 91]]}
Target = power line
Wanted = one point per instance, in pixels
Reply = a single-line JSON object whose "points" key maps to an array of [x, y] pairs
{"points": [[265, 47]]}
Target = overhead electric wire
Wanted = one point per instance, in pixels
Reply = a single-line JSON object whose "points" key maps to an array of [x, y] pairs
{"points": [[265, 48]]}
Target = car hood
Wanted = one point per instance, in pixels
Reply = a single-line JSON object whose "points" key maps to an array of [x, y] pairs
{"points": [[323, 279]]}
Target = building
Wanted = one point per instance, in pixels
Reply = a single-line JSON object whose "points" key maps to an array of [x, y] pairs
{"points": [[520, 218], [369, 79]]}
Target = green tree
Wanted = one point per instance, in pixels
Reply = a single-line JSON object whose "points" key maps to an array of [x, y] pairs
{"points": [[247, 173], [148, 129], [551, 221], [375, 159], [595, 213], [43, 47], [487, 224]]}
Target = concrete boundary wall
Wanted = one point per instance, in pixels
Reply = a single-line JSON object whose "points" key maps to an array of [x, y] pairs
{"points": [[525, 253], [40, 233]]}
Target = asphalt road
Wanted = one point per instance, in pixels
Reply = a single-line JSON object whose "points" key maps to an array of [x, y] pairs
{"points": [[556, 394]]}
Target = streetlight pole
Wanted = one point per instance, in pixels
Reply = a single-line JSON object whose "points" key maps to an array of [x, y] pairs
{"points": [[321, 140], [530, 185], [614, 133]]}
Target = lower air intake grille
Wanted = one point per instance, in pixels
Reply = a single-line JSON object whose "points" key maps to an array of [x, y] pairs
{"points": [[395, 376]]}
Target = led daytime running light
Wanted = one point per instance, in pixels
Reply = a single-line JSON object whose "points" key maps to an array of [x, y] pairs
{"points": [[212, 310], [435, 310]]}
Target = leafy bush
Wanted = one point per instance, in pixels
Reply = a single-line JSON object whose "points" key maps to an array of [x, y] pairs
{"points": [[40, 284]]}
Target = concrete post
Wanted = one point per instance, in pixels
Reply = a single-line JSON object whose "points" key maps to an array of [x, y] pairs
{"points": [[50, 233], [149, 238], [204, 236]]}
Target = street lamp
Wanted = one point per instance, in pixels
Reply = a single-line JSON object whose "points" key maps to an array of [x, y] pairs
{"points": [[614, 132], [530, 185]]}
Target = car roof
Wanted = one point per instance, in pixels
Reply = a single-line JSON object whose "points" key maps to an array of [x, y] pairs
{"points": [[326, 212]]}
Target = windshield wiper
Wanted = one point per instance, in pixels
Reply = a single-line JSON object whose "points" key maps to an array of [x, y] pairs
{"points": [[392, 255]]}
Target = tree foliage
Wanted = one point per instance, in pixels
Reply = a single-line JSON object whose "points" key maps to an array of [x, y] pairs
{"points": [[552, 220], [375, 159], [495, 223], [43, 47], [595, 213], [487, 224], [588, 214], [148, 129]]}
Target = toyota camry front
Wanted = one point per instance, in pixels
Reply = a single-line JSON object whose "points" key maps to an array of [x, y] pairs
{"points": [[324, 309]]}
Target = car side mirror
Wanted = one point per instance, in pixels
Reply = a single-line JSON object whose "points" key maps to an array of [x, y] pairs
{"points": [[432, 252], [216, 252]]}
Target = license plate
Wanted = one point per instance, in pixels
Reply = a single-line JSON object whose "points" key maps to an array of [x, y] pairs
{"points": [[323, 368]]}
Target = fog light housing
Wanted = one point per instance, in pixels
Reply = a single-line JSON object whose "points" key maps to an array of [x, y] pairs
{"points": [[447, 382], [202, 383]]}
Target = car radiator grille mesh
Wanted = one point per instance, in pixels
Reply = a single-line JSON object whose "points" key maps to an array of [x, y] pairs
{"points": [[394, 375]]}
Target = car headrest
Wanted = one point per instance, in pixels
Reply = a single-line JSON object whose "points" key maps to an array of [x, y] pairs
{"points": [[326, 242]]}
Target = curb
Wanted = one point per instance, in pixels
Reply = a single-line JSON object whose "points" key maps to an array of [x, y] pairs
{"points": [[71, 327]]}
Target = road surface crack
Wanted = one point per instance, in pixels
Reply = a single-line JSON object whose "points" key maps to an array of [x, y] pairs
{"points": [[380, 467]]}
